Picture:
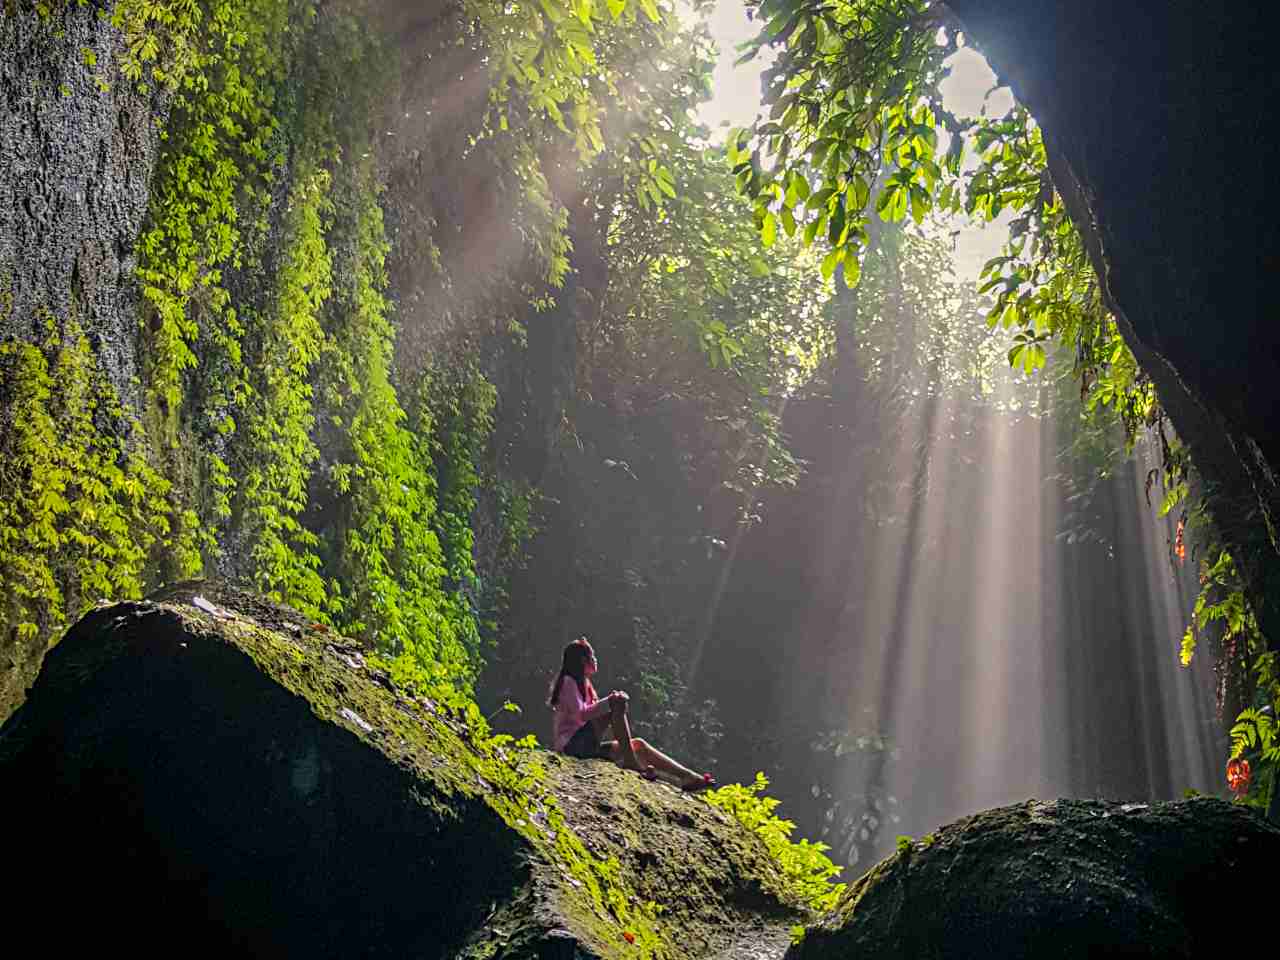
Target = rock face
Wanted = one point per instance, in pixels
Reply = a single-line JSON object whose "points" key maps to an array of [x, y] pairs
{"points": [[237, 782], [77, 147], [1062, 879], [1152, 116]]}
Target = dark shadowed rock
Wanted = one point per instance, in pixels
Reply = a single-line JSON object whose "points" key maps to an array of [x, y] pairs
{"points": [[235, 781], [1062, 879]]}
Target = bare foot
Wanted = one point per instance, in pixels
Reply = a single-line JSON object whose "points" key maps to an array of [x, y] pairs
{"points": [[704, 782]]}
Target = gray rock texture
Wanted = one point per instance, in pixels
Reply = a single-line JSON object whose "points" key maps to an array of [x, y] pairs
{"points": [[1071, 878], [77, 148]]}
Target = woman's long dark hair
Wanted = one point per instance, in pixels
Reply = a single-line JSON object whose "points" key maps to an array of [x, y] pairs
{"points": [[574, 665]]}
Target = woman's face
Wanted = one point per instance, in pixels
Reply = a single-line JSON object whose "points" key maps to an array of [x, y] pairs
{"points": [[589, 665]]}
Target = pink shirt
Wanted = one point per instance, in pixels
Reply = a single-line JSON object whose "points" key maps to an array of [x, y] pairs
{"points": [[572, 710]]}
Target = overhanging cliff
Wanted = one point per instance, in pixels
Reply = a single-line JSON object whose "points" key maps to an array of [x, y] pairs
{"points": [[1158, 124]]}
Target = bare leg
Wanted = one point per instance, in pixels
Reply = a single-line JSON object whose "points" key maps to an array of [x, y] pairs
{"points": [[624, 754], [663, 763]]}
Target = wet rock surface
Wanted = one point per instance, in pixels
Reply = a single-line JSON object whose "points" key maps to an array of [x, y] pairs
{"points": [[237, 780], [1062, 879], [77, 146]]}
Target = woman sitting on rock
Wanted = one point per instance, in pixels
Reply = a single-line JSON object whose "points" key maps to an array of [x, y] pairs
{"points": [[581, 720]]}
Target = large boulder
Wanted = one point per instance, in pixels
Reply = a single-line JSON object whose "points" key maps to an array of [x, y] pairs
{"points": [[208, 772], [1070, 878]]}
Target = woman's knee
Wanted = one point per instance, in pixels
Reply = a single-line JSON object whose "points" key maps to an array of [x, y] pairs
{"points": [[639, 743]]}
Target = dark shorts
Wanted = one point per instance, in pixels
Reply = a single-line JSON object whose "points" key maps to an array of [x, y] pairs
{"points": [[585, 744]]}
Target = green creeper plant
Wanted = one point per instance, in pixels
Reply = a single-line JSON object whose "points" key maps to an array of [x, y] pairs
{"points": [[82, 509], [275, 436], [387, 568]]}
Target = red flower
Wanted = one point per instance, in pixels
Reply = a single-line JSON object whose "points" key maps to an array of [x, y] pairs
{"points": [[1179, 544], [628, 936], [1239, 775]]}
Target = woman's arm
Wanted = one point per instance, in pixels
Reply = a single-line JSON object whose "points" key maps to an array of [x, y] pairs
{"points": [[575, 707], [598, 709]]}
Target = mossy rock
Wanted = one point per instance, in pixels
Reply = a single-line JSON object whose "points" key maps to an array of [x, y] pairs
{"points": [[1063, 879], [243, 782]]}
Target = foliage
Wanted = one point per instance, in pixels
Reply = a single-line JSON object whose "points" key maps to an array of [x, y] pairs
{"points": [[460, 402], [267, 351], [223, 126], [857, 129], [82, 508], [1043, 282], [805, 864], [558, 64], [1254, 738], [274, 440], [853, 104], [224, 63], [387, 570], [856, 120], [1246, 671], [689, 289], [1220, 601], [691, 335]]}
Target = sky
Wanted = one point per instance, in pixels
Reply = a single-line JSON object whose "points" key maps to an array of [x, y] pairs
{"points": [[736, 98]]}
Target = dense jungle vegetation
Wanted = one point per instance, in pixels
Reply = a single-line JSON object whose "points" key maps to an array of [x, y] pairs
{"points": [[453, 329]]}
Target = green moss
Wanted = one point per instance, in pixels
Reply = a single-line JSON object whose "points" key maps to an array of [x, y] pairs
{"points": [[6, 293], [440, 744]]}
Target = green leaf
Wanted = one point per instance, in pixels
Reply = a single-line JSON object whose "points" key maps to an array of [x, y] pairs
{"points": [[800, 186], [919, 203], [852, 267], [666, 183], [820, 198], [857, 193], [768, 230], [830, 261], [780, 24], [788, 221], [835, 228], [555, 13], [885, 200]]}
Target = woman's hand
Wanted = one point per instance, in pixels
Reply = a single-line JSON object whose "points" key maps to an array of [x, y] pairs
{"points": [[619, 696]]}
